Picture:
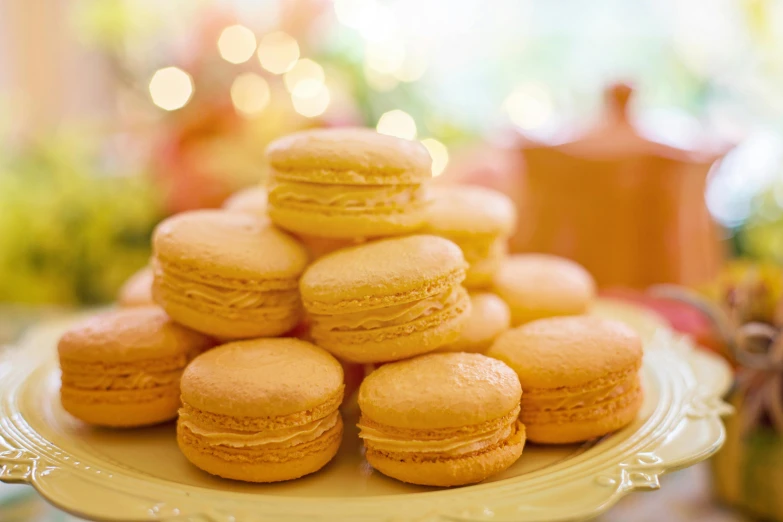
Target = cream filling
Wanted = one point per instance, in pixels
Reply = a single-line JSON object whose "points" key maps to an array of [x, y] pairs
{"points": [[347, 196], [135, 381], [389, 316], [226, 297], [536, 400], [239, 439], [452, 446]]}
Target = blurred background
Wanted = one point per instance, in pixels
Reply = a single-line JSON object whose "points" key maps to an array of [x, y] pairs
{"points": [[642, 138], [115, 113]]}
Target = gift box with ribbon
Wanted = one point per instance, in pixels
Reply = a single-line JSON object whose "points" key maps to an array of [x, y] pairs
{"points": [[746, 310]]}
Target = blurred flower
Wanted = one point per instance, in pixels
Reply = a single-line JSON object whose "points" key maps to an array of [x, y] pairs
{"points": [[750, 292]]}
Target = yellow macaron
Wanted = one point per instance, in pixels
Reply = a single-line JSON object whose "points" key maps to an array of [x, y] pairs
{"points": [[479, 220], [580, 376], [122, 368], [262, 410], [347, 183], [229, 275], [489, 317], [536, 286], [137, 290], [443, 419], [388, 299], [252, 200]]}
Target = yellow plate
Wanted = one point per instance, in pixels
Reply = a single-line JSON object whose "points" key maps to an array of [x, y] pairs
{"points": [[141, 475]]}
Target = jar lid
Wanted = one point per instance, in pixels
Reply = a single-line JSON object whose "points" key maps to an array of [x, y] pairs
{"points": [[616, 137]]}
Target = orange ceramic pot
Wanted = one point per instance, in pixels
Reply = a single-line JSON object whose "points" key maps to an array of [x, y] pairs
{"points": [[630, 210]]}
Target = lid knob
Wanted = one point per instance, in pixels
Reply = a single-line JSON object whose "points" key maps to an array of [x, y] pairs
{"points": [[617, 98]]}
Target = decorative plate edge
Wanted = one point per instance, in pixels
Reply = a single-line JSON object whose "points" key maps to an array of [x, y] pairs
{"points": [[642, 471]]}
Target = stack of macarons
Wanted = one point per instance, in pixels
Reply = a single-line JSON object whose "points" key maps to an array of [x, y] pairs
{"points": [[348, 261]]}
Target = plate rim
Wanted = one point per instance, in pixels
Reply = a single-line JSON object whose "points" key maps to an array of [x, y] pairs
{"points": [[636, 467]]}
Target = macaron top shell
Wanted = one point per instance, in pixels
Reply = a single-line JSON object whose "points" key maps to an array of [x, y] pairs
{"points": [[441, 390], [489, 316], [129, 335], [382, 273], [137, 290], [252, 200], [470, 209], [349, 156], [262, 378], [230, 245], [544, 281], [568, 351]]}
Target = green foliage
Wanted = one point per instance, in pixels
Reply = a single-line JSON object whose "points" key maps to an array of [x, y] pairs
{"points": [[761, 237], [70, 232]]}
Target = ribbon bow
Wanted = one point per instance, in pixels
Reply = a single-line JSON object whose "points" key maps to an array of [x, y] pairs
{"points": [[758, 348]]}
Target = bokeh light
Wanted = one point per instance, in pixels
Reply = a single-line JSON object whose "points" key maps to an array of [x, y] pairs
{"points": [[355, 13], [308, 104], [171, 88], [305, 72], [529, 106], [379, 81], [397, 123], [386, 56], [250, 94], [278, 52], [379, 25], [375, 22], [413, 67], [237, 44], [439, 154]]}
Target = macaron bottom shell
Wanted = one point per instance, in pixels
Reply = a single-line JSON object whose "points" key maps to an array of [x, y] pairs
{"points": [[443, 471], [229, 324], [261, 465], [122, 409], [589, 422]]}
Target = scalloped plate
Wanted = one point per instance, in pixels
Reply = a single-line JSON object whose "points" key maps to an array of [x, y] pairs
{"points": [[141, 475]]}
